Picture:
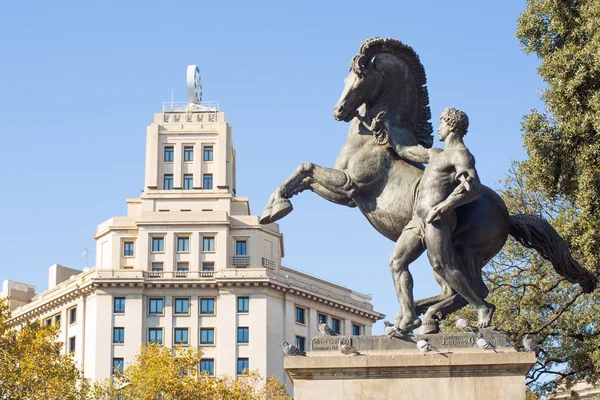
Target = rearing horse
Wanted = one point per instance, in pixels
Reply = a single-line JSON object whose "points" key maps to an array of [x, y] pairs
{"points": [[386, 86]]}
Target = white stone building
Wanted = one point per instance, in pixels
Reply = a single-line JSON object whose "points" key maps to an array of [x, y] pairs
{"points": [[189, 265]]}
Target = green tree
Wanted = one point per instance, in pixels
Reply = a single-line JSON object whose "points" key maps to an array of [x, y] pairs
{"points": [[31, 366], [160, 372]]}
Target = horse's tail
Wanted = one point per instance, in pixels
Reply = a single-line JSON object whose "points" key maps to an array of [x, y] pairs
{"points": [[536, 233]]}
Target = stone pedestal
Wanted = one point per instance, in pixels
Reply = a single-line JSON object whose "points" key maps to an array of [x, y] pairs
{"points": [[395, 369]]}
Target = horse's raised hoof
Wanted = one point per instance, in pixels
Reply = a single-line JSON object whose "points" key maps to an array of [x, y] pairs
{"points": [[430, 325], [265, 218], [409, 326], [281, 208]]}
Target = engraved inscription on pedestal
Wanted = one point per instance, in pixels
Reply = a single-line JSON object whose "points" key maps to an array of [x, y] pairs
{"points": [[329, 343]]}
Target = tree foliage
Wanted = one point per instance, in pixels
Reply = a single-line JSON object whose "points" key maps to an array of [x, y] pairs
{"points": [[160, 372], [31, 366]]}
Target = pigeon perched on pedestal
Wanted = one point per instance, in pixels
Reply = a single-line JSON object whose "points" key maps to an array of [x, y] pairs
{"points": [[326, 330], [347, 349], [463, 325], [424, 346], [484, 344], [531, 345], [392, 331], [291, 350]]}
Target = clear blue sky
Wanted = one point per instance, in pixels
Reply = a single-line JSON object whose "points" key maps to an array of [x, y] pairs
{"points": [[80, 81]]}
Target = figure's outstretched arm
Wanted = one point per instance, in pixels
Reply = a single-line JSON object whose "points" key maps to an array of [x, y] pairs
{"points": [[412, 153]]}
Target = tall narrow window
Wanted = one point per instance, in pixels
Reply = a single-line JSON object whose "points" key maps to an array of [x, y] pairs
{"points": [[208, 243], [336, 325], [128, 249], [207, 306], [181, 336], [355, 330], [72, 344], [182, 306], [240, 248], [207, 366], [208, 181], [183, 244], [118, 364], [168, 182], [72, 315], [155, 306], [300, 312], [119, 305], [158, 244], [169, 153], [208, 153], [118, 335], [243, 365], [300, 342], [243, 305], [322, 318], [243, 335], [207, 336], [188, 182], [188, 153], [155, 335]]}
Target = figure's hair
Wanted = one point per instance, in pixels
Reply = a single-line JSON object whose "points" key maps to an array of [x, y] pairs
{"points": [[458, 120], [370, 48]]}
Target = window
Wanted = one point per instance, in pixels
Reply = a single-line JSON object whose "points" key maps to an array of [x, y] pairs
{"points": [[118, 364], [156, 306], [242, 366], [300, 342], [182, 306], [188, 153], [207, 336], [128, 249], [208, 243], [208, 153], [322, 318], [208, 266], [208, 181], [183, 244], [183, 266], [157, 267], [168, 182], [155, 335], [72, 344], [169, 153], [355, 330], [72, 315], [119, 305], [181, 336], [243, 304], [335, 325], [158, 244], [207, 366], [48, 321], [118, 335], [207, 306], [188, 181], [240, 247], [300, 312], [243, 335], [57, 319]]}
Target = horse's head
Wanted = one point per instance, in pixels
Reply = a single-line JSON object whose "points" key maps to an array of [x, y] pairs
{"points": [[362, 85]]}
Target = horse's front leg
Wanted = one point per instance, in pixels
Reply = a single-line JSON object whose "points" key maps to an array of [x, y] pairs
{"points": [[329, 183]]}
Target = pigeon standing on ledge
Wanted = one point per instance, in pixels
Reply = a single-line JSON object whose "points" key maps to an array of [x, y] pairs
{"points": [[463, 325], [392, 331], [326, 330], [424, 346], [531, 345], [347, 349], [291, 350], [484, 344]]}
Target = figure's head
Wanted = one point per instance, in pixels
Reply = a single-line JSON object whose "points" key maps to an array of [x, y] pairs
{"points": [[362, 85], [453, 120]]}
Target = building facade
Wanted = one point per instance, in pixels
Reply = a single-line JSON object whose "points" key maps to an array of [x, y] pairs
{"points": [[189, 266]]}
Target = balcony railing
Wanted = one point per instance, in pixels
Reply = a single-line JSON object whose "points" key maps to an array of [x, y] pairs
{"points": [[240, 260], [267, 263], [179, 274]]}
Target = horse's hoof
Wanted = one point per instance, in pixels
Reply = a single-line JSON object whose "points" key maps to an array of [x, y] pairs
{"points": [[430, 325], [265, 218], [281, 208]]}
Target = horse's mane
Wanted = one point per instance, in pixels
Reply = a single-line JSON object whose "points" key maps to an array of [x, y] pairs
{"points": [[371, 47]]}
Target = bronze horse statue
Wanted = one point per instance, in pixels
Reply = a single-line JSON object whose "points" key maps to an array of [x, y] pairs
{"points": [[387, 86]]}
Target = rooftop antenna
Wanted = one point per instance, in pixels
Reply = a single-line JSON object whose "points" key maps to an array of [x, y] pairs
{"points": [[87, 255]]}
